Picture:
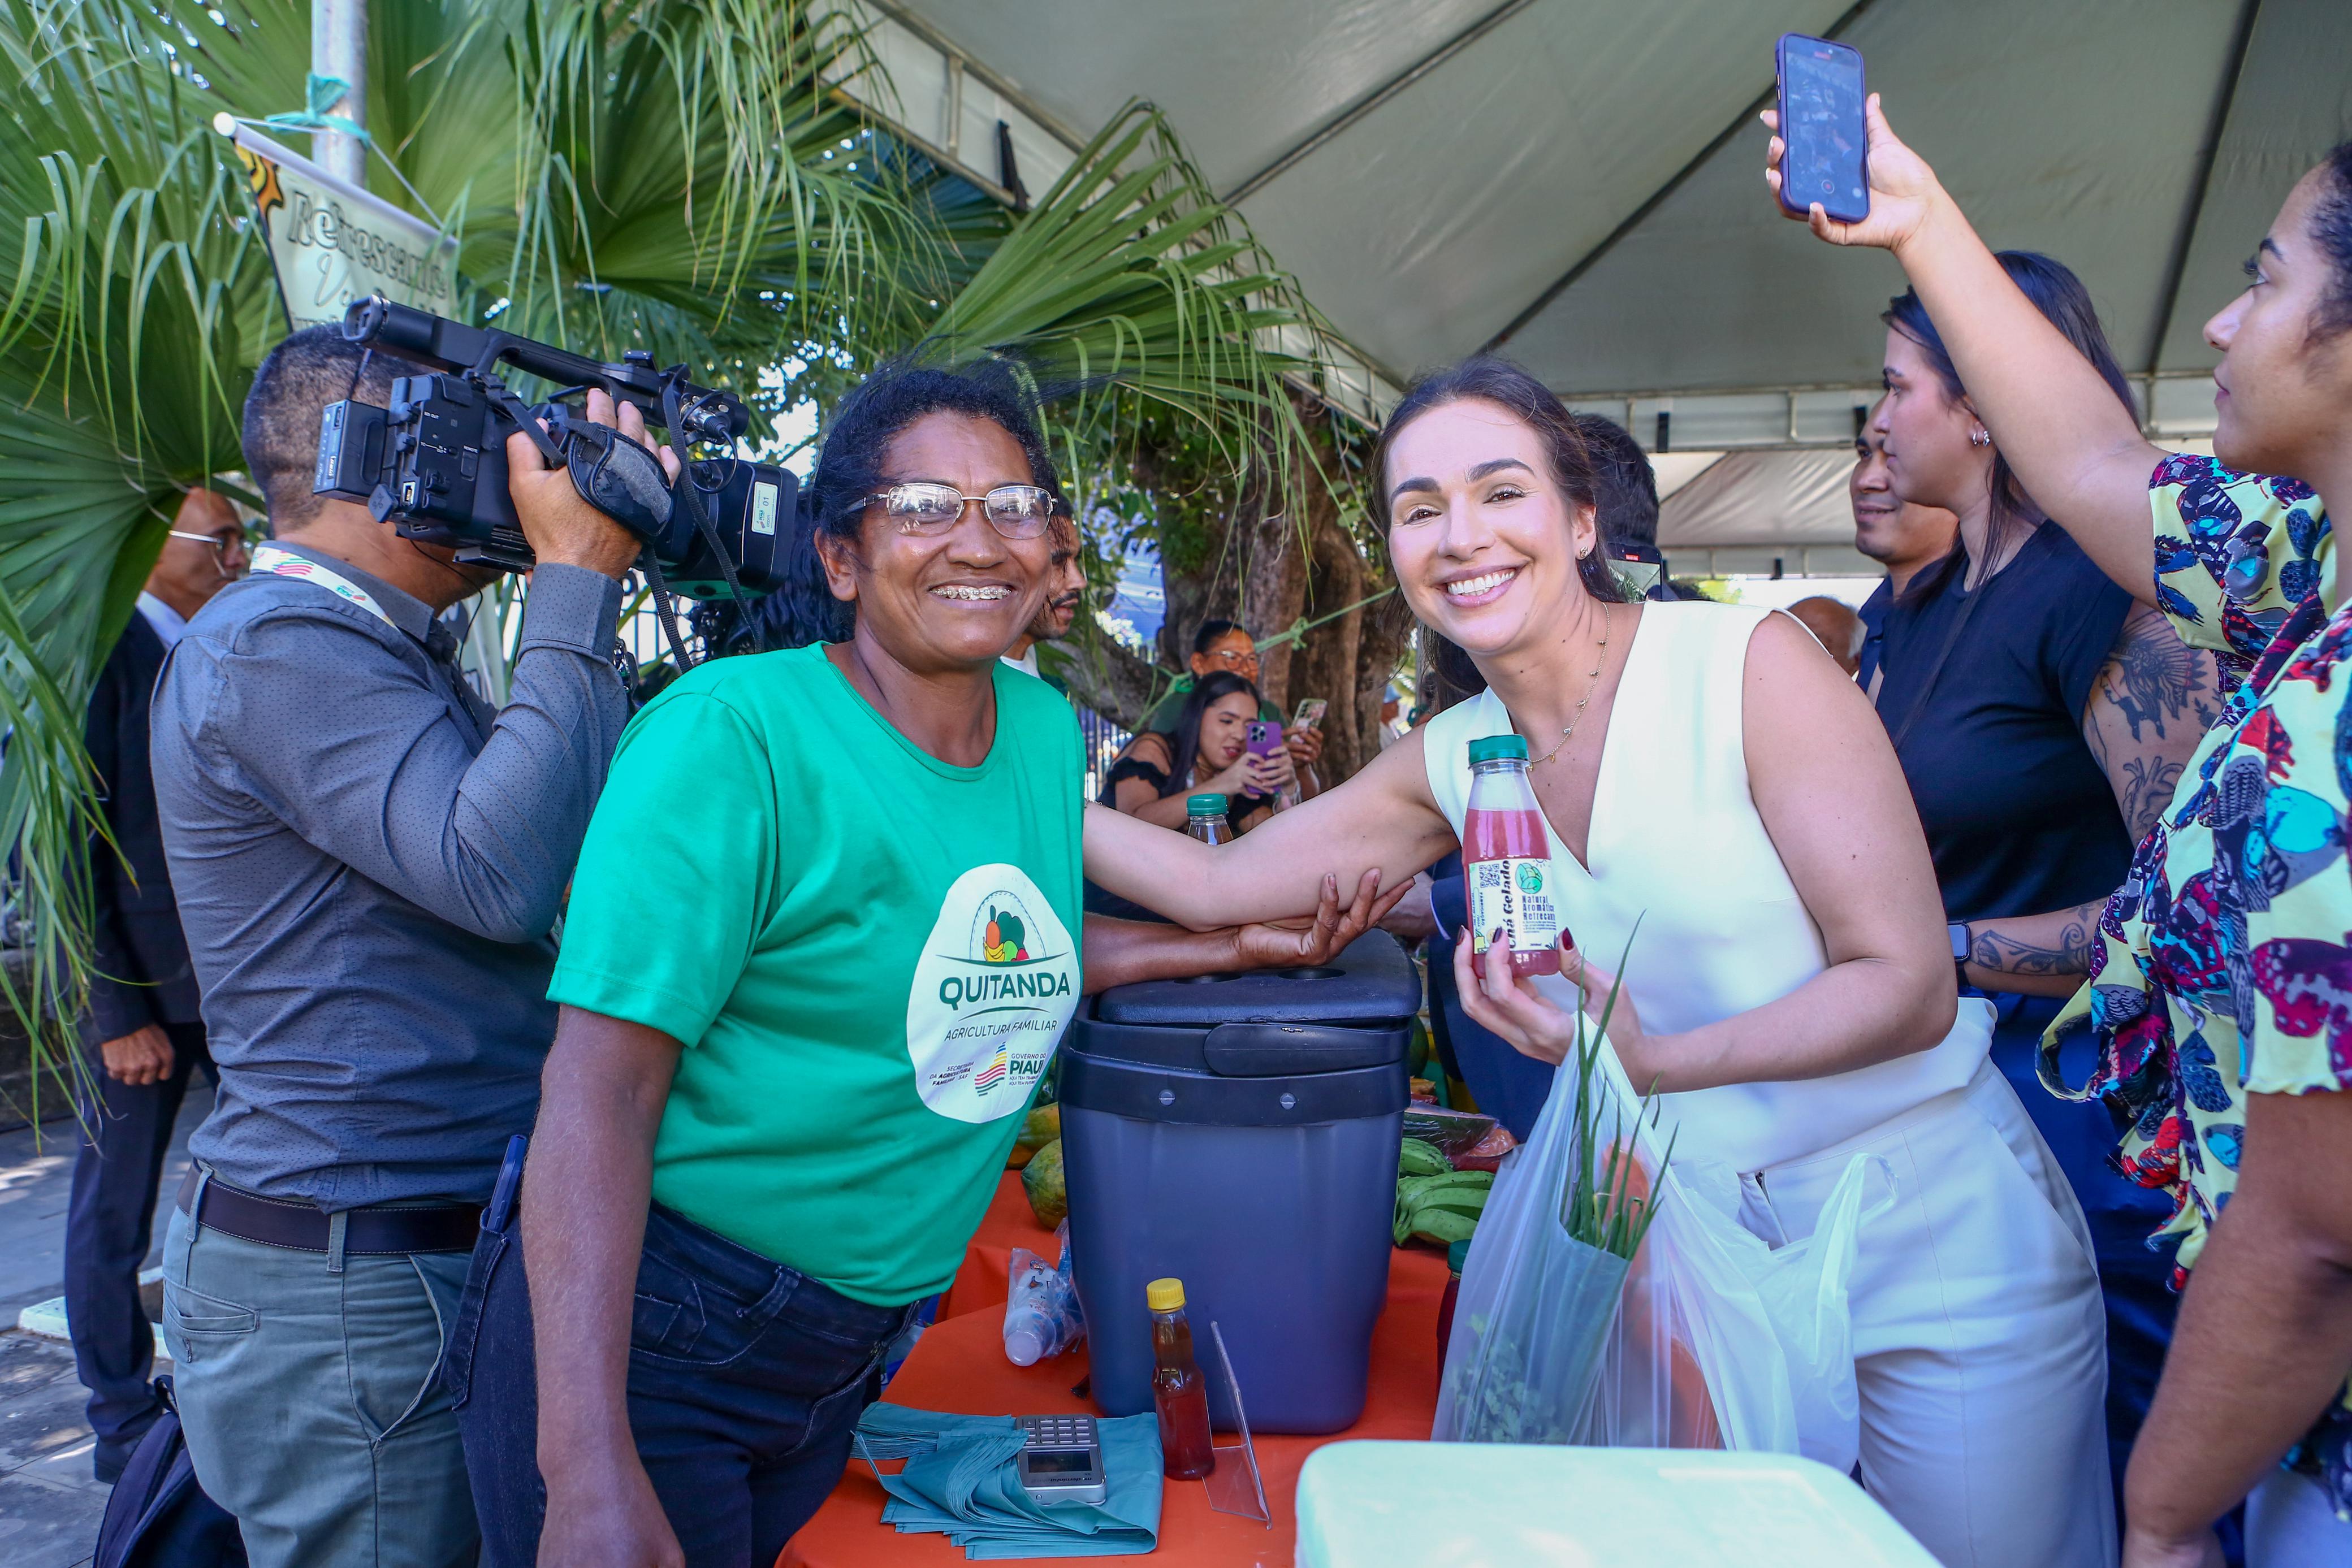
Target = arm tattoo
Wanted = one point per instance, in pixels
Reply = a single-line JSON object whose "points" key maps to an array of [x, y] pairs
{"points": [[2152, 677], [2143, 791], [2153, 700], [2068, 952]]}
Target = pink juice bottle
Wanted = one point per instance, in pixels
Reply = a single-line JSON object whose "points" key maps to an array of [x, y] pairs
{"points": [[1506, 859]]}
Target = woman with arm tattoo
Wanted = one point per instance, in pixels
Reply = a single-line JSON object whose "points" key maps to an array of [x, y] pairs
{"points": [[2151, 702], [2217, 1009], [2042, 720]]}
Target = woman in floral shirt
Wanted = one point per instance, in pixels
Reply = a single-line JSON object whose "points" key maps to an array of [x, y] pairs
{"points": [[2220, 993]]}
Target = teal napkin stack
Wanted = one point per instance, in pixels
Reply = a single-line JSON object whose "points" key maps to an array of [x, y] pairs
{"points": [[960, 1481]]}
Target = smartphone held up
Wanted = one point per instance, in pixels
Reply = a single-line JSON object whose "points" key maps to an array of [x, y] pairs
{"points": [[1265, 740], [1826, 158]]}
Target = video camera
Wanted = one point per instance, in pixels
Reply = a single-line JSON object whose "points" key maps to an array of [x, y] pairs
{"points": [[435, 463]]}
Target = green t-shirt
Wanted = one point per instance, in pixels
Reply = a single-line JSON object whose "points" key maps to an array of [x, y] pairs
{"points": [[867, 953], [1164, 714]]}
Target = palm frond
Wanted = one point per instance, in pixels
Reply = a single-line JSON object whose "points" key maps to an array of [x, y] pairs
{"points": [[556, 142], [1130, 274]]}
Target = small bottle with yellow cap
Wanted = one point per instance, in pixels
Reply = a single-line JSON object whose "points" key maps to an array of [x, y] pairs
{"points": [[1178, 1391]]}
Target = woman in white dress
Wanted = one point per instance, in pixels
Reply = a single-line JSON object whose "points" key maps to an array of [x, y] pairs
{"points": [[1709, 770]]}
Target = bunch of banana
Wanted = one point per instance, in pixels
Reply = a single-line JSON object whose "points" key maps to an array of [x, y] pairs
{"points": [[1417, 1158], [1442, 1206]]}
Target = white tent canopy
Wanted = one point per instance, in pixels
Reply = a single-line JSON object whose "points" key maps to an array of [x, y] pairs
{"points": [[1578, 183]]}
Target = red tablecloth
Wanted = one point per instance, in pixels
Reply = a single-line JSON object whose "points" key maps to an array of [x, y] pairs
{"points": [[959, 1366], [988, 1257]]}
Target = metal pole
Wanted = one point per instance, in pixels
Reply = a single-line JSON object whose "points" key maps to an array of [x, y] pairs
{"points": [[339, 49]]}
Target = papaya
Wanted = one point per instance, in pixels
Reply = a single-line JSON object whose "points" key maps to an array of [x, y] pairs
{"points": [[1041, 1180], [1042, 1127]]}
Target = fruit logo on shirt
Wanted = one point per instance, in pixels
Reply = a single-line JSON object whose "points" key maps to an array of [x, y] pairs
{"points": [[1001, 942], [995, 982]]}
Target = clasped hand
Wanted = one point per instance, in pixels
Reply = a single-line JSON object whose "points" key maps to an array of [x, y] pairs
{"points": [[1276, 943], [1498, 1001]]}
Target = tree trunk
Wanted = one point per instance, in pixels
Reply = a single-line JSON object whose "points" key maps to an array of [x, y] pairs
{"points": [[1102, 673], [1379, 647], [1269, 571]]}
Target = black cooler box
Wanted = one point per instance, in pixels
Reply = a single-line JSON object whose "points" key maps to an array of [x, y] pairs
{"points": [[1240, 1133]]}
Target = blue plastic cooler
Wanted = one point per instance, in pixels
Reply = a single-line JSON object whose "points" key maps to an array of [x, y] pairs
{"points": [[1240, 1133]]}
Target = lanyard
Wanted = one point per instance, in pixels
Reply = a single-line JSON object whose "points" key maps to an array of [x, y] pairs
{"points": [[280, 562]]}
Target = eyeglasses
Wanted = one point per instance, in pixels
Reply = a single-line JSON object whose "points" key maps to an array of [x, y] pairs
{"points": [[928, 507], [1234, 658], [223, 544]]}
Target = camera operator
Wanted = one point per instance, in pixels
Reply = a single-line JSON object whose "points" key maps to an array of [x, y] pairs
{"points": [[369, 862]]}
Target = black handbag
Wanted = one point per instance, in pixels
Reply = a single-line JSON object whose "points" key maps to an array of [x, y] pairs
{"points": [[158, 1516]]}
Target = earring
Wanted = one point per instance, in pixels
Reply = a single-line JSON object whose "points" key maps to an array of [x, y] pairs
{"points": [[1979, 438]]}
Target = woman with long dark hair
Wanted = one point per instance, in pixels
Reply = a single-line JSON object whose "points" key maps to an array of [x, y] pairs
{"points": [[2042, 720], [1707, 771], [2220, 1001], [1207, 754], [790, 1058]]}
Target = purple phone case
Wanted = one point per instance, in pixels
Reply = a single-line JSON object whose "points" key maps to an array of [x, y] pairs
{"points": [[1781, 101], [1264, 739]]}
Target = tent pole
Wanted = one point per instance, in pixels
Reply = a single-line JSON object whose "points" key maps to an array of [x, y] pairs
{"points": [[339, 49]]}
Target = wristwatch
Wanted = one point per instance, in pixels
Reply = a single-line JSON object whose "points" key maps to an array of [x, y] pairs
{"points": [[1959, 932]]}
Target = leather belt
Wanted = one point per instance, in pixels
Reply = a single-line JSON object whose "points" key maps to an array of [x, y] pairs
{"points": [[384, 1228]]}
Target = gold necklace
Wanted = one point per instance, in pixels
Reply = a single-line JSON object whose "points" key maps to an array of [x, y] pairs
{"points": [[1591, 684]]}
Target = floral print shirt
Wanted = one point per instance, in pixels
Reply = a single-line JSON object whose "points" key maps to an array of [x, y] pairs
{"points": [[2223, 966]]}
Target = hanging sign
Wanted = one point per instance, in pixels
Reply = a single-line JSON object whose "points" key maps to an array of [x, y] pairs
{"points": [[332, 243]]}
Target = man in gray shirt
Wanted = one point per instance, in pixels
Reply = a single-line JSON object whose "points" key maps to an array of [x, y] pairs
{"points": [[369, 863]]}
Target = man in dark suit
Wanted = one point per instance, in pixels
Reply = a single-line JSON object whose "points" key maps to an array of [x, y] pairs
{"points": [[142, 1025]]}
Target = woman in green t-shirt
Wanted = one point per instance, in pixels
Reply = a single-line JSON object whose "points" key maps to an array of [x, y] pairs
{"points": [[820, 946]]}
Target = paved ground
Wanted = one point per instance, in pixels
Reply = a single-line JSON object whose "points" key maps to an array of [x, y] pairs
{"points": [[49, 1503], [36, 1180]]}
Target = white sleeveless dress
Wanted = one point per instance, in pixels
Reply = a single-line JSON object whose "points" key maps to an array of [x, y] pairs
{"points": [[1978, 1336]]}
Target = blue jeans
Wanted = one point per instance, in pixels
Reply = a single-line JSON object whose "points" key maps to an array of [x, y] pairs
{"points": [[746, 1380]]}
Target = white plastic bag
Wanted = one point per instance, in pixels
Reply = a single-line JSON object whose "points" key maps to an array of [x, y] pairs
{"points": [[1717, 1340], [1041, 1305]]}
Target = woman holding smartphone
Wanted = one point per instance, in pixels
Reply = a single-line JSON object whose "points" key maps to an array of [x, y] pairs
{"points": [[1706, 770], [1213, 735], [2218, 1000]]}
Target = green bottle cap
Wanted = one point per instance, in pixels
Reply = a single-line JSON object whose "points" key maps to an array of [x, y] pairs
{"points": [[1514, 746], [1215, 805]]}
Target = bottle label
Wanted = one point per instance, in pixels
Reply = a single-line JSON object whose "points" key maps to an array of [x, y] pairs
{"points": [[1515, 897]]}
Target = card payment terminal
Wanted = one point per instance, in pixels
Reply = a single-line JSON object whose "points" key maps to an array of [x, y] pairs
{"points": [[1062, 1460]]}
